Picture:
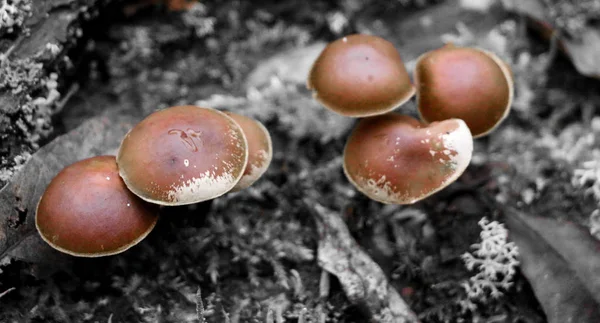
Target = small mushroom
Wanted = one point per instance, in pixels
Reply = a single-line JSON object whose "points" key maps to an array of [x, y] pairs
{"points": [[465, 83], [260, 149], [396, 159], [87, 211], [360, 76], [183, 155]]}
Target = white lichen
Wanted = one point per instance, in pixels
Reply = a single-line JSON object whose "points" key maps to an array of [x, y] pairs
{"points": [[337, 22], [18, 162], [53, 48], [17, 75], [4, 262], [574, 143], [495, 260], [197, 18], [52, 96], [588, 176], [13, 13], [462, 37]]}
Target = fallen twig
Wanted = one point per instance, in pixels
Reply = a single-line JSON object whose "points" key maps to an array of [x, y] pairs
{"points": [[361, 278], [6, 292]]}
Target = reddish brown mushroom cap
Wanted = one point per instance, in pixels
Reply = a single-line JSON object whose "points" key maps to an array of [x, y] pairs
{"points": [[360, 76], [183, 155], [260, 149], [465, 83], [88, 211], [396, 159]]}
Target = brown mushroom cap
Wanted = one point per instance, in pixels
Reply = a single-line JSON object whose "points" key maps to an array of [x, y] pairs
{"points": [[88, 211], [183, 155], [396, 159], [359, 76], [260, 149], [465, 83]]}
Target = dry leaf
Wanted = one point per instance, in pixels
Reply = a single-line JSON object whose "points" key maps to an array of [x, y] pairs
{"points": [[583, 52], [361, 278], [562, 263]]}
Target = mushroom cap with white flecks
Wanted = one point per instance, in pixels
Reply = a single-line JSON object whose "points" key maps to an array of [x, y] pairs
{"points": [[396, 159], [183, 155]]}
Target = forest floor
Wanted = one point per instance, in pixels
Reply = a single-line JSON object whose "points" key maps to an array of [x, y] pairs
{"points": [[252, 256]]}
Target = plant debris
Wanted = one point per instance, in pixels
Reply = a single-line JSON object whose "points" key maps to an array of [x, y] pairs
{"points": [[562, 263], [18, 200], [363, 281]]}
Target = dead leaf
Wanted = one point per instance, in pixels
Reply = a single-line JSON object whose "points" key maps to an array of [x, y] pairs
{"points": [[43, 260], [562, 263], [19, 198], [361, 278], [583, 52], [419, 31]]}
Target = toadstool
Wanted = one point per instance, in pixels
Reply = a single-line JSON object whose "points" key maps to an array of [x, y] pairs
{"points": [[360, 76], [87, 211], [260, 149], [465, 83], [183, 155], [396, 159]]}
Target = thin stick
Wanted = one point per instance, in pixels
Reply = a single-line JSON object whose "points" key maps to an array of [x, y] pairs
{"points": [[6, 291]]}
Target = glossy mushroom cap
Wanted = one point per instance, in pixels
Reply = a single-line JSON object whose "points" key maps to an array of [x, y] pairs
{"points": [[260, 149], [396, 159], [183, 155], [360, 76], [465, 83], [87, 211]]}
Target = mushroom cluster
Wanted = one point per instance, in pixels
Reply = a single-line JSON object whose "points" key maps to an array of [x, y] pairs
{"points": [[462, 93], [181, 155], [187, 154]]}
